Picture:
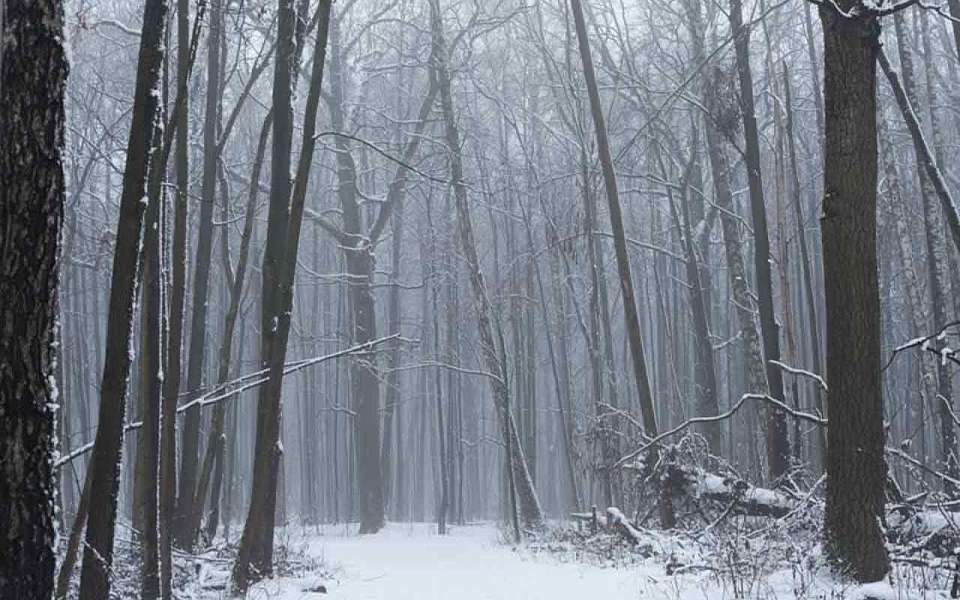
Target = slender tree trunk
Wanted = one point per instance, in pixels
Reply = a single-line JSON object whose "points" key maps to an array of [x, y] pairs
{"points": [[705, 378], [932, 184], [33, 73], [616, 221], [171, 381], [98, 552], [190, 447], [529, 504], [151, 360], [806, 267], [214, 456], [856, 469], [255, 555], [778, 444], [392, 398]]}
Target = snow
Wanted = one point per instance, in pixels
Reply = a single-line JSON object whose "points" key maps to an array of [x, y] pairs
{"points": [[409, 561]]}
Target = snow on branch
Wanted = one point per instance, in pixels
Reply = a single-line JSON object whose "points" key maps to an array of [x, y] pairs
{"points": [[720, 417], [249, 381]]}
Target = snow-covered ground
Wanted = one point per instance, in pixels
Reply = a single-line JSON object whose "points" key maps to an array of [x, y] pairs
{"points": [[411, 562]]}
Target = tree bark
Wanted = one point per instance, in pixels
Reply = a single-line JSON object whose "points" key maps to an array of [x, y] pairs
{"points": [[33, 72], [150, 379], [177, 293], [856, 469]]}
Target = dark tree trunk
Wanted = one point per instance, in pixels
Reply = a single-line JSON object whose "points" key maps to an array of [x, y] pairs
{"points": [[98, 552], [190, 447], [856, 469], [255, 555], [778, 445], [33, 73], [216, 446], [177, 293], [150, 380], [616, 221]]}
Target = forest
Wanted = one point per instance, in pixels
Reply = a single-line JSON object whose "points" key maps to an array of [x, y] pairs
{"points": [[479, 299]]}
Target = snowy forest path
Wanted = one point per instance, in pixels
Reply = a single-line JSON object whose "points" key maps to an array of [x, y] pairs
{"points": [[411, 562]]}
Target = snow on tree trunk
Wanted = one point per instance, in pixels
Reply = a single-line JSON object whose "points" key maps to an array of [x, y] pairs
{"points": [[33, 72]]}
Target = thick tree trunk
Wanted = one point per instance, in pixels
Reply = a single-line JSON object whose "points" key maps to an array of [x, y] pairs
{"points": [[856, 469], [33, 73]]}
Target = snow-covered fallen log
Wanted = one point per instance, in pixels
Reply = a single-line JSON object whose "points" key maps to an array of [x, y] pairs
{"points": [[741, 497], [617, 521], [929, 530]]}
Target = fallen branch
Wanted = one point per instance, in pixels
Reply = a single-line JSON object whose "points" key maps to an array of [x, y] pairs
{"points": [[215, 395], [720, 417]]}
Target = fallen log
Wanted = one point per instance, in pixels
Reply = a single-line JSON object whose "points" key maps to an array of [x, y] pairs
{"points": [[617, 521], [928, 530], [741, 497]]}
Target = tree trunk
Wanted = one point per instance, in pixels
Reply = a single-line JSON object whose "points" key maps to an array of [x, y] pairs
{"points": [[190, 447], [932, 184], [856, 469], [616, 221], [33, 72], [255, 555], [171, 382], [529, 504], [216, 445], [98, 553], [778, 445], [806, 267], [150, 379]]}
